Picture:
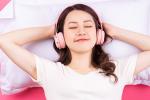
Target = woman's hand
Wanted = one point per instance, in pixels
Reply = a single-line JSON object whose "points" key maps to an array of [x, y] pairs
{"points": [[111, 30]]}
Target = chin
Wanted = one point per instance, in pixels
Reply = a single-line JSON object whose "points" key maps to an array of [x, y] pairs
{"points": [[82, 49]]}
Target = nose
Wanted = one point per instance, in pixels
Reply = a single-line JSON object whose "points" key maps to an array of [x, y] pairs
{"points": [[81, 31]]}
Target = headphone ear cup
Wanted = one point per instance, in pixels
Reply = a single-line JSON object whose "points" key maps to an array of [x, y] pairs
{"points": [[100, 37], [59, 40]]}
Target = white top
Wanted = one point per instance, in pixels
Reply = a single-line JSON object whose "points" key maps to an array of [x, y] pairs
{"points": [[63, 83]]}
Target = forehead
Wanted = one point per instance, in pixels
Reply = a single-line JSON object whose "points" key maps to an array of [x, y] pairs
{"points": [[78, 15]]}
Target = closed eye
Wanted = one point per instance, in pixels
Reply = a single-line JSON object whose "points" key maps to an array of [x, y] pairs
{"points": [[88, 26], [72, 27]]}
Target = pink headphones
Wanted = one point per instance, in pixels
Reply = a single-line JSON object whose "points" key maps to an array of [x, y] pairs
{"points": [[60, 41]]}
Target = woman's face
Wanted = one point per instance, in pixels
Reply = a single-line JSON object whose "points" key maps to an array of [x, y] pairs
{"points": [[79, 31]]}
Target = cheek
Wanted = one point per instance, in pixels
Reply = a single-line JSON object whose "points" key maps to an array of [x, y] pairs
{"points": [[68, 37], [68, 34], [94, 37], [93, 34]]}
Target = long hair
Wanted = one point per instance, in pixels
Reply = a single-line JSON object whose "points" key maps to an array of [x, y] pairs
{"points": [[100, 59]]}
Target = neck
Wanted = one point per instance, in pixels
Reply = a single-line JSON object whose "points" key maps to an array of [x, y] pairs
{"points": [[81, 61]]}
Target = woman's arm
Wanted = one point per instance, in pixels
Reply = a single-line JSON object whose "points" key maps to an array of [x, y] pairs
{"points": [[140, 41], [27, 35], [11, 43]]}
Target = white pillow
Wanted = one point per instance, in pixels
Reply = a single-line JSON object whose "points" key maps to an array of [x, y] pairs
{"points": [[148, 16], [144, 76], [131, 15], [53, 2], [10, 73], [115, 12]]}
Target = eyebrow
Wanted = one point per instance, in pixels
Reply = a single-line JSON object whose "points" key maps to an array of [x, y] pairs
{"points": [[76, 22], [87, 21]]}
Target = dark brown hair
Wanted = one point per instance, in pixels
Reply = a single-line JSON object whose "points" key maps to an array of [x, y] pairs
{"points": [[100, 59]]}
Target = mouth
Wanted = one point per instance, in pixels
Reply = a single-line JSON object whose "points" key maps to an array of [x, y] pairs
{"points": [[81, 40]]}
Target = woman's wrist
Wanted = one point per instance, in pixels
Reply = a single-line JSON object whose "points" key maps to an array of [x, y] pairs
{"points": [[117, 34], [51, 30], [114, 31]]}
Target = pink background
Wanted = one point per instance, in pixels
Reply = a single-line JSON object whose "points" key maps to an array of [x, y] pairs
{"points": [[131, 92]]}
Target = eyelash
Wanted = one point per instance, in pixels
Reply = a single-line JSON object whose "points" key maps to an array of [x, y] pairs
{"points": [[76, 27], [88, 26], [72, 27]]}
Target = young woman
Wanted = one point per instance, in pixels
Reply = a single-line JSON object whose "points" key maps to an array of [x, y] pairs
{"points": [[83, 71]]}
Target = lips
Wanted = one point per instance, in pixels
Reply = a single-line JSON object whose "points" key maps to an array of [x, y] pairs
{"points": [[81, 39]]}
